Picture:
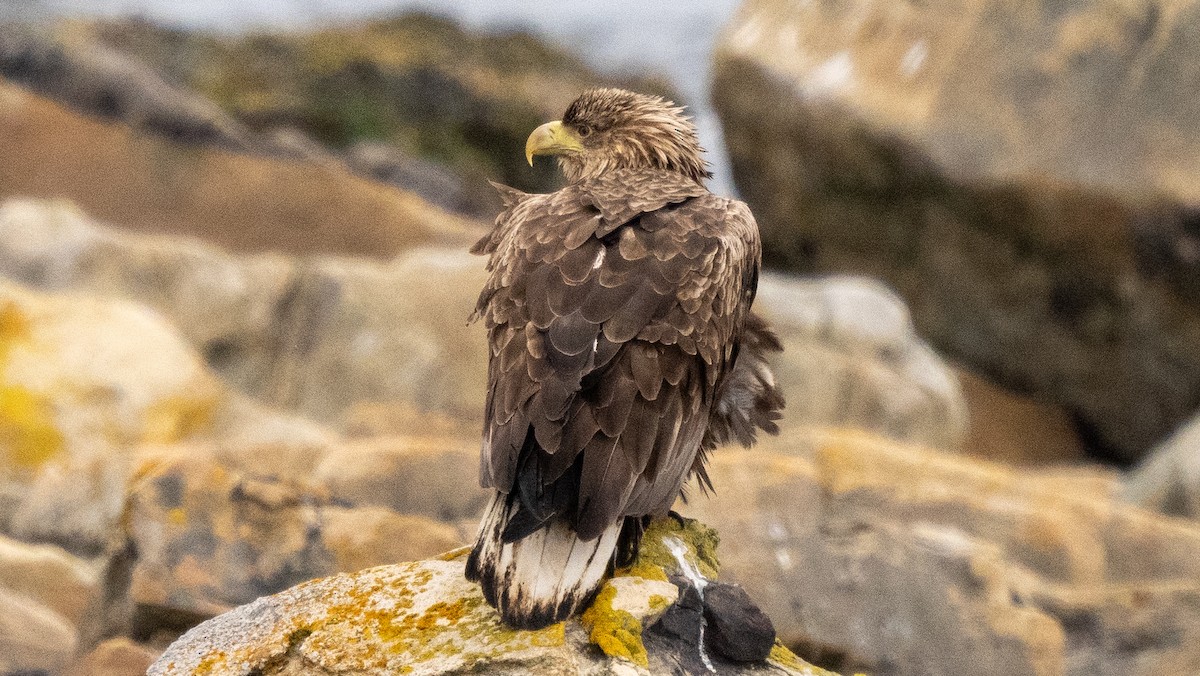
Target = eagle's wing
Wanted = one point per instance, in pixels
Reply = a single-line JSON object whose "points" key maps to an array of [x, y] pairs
{"points": [[613, 308]]}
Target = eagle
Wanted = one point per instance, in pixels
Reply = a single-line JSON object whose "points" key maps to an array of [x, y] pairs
{"points": [[622, 351]]}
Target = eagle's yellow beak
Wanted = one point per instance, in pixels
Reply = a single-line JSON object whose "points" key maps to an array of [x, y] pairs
{"points": [[552, 138]]}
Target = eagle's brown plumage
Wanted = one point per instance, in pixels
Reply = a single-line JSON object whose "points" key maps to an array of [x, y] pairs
{"points": [[622, 349]]}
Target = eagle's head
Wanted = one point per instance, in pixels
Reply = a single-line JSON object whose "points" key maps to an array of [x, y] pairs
{"points": [[606, 129]]}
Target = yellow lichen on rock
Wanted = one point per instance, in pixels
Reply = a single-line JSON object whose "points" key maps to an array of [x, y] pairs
{"points": [[783, 657], [27, 427], [699, 541], [616, 632]]}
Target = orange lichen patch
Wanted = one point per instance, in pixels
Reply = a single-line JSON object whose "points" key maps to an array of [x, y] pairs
{"points": [[211, 661]]}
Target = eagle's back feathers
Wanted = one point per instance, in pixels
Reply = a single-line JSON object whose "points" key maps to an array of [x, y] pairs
{"points": [[616, 309]]}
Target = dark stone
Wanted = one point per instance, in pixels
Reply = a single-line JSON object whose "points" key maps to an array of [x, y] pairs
{"points": [[736, 627]]}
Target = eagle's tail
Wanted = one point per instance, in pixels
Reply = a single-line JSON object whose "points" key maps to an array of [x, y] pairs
{"points": [[544, 577]]}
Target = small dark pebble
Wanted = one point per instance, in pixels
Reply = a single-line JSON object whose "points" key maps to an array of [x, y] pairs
{"points": [[736, 628]]}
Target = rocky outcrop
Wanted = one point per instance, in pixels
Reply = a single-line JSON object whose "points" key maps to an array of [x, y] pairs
{"points": [[425, 618], [420, 82], [327, 336], [207, 537], [886, 558], [1023, 174], [414, 101], [245, 202]]}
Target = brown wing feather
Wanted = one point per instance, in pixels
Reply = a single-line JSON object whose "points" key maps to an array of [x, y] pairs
{"points": [[612, 307]]}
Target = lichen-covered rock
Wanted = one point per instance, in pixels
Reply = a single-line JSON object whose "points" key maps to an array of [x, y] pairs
{"points": [[876, 556], [1023, 174], [412, 618], [314, 335], [206, 537], [83, 382]]}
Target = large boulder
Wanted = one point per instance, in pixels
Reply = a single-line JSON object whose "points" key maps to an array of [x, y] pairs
{"points": [[887, 558], [1023, 174], [425, 618]]}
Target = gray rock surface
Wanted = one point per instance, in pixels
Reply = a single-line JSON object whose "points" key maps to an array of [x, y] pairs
{"points": [[1023, 174], [1168, 480]]}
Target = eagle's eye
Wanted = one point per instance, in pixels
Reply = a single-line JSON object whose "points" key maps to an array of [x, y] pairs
{"points": [[583, 130]]}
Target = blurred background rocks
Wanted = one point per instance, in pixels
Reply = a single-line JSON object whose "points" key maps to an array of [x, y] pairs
{"points": [[234, 351]]}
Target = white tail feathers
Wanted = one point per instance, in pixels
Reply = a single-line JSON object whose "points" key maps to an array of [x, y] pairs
{"points": [[542, 578]]}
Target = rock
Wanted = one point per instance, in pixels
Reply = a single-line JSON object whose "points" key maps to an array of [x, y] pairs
{"points": [[248, 203], [909, 561], [115, 657], [314, 335], [103, 82], [47, 597], [33, 638], [735, 627], [851, 358], [436, 477], [1168, 480], [385, 348], [416, 618], [437, 184], [206, 537], [82, 382], [1020, 180], [59, 582], [419, 83], [1019, 430]]}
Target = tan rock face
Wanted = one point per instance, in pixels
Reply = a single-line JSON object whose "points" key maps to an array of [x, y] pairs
{"points": [[1023, 174], [909, 561], [245, 202]]}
